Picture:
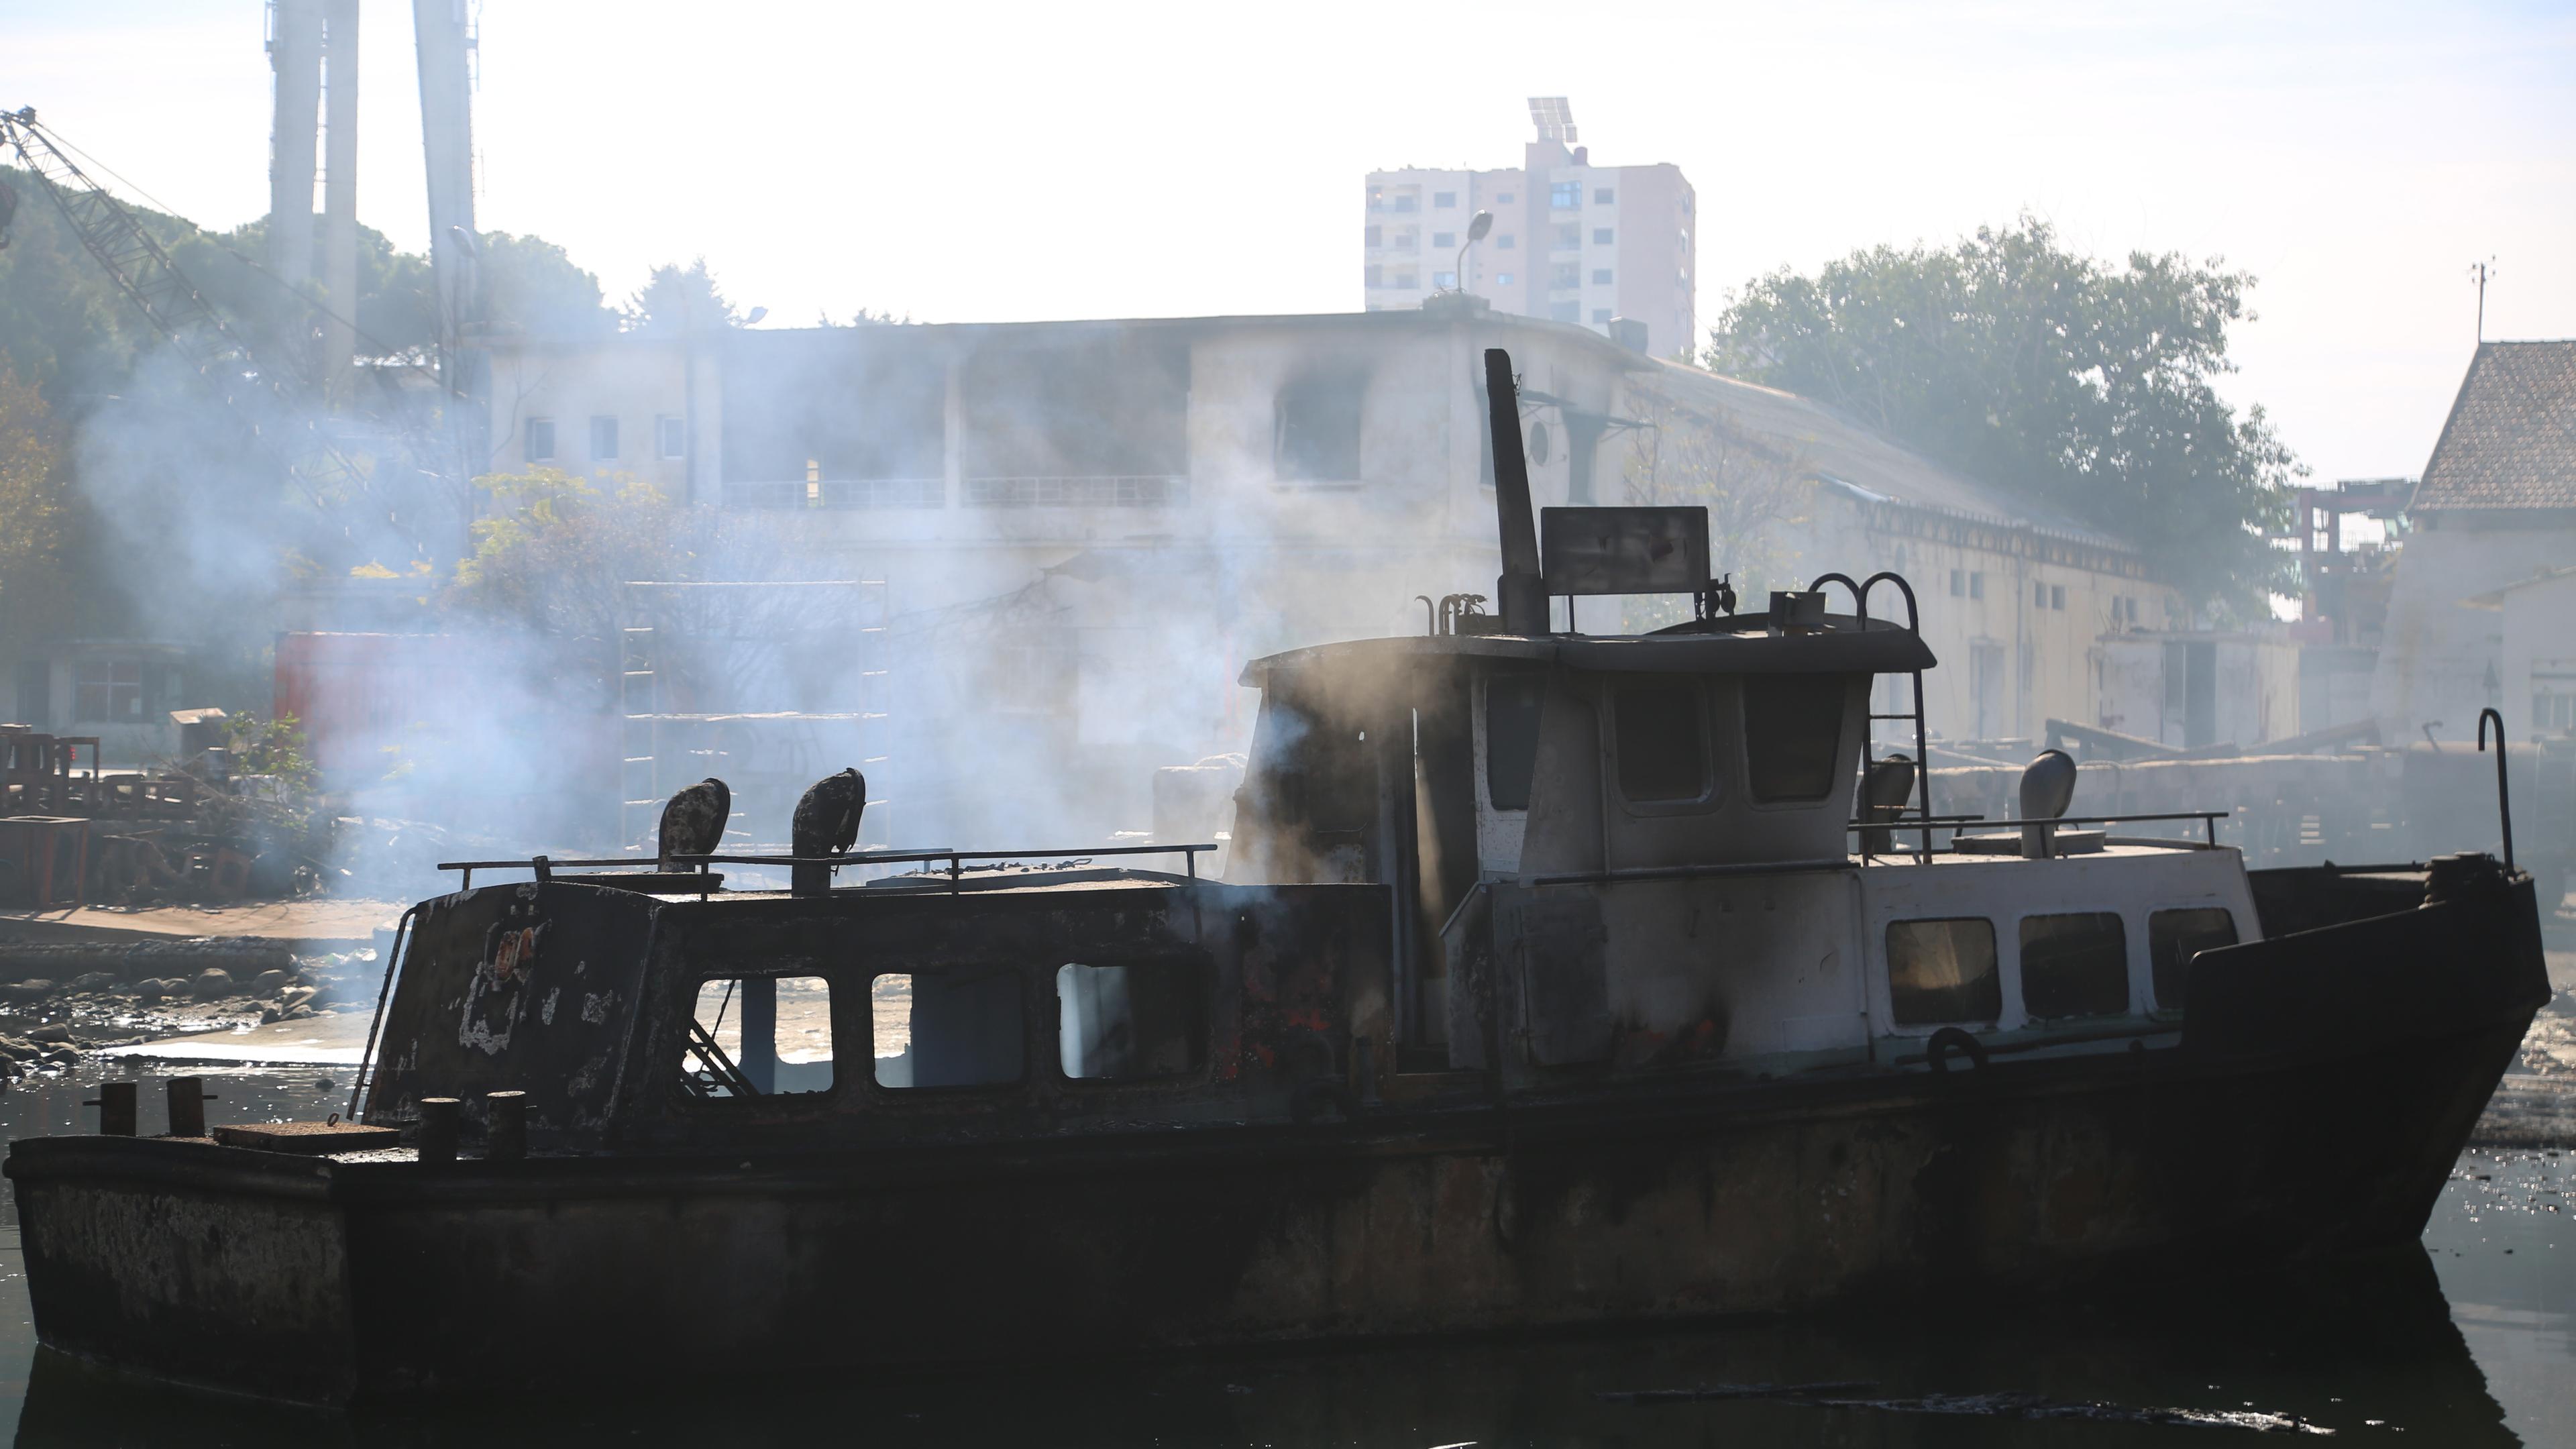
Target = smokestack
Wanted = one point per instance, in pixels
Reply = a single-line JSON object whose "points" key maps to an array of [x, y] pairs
{"points": [[340, 200], [295, 53], [1521, 591]]}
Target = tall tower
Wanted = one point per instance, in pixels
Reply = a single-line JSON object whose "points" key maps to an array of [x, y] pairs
{"points": [[339, 197], [295, 54], [304, 36]]}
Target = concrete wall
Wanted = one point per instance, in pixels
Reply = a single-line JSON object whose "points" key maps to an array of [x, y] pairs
{"points": [[2441, 656], [2540, 657]]}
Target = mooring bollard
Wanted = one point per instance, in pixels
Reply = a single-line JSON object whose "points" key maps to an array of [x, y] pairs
{"points": [[506, 1138], [115, 1104], [188, 1099], [438, 1119]]}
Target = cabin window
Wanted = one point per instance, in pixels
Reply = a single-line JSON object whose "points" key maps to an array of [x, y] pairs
{"points": [[759, 1036], [1944, 970], [1793, 734], [957, 1028], [1511, 737], [2075, 964], [2174, 937], [1122, 1023], [1661, 734]]}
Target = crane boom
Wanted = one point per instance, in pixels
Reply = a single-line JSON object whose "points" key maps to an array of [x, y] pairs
{"points": [[143, 271]]}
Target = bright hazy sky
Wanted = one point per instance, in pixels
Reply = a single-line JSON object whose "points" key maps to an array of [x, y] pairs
{"points": [[963, 162]]}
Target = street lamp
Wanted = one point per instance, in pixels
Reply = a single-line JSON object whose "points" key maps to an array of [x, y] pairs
{"points": [[1477, 226]]}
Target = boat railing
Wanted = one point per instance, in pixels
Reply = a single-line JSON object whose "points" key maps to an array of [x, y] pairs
{"points": [[1925, 825], [956, 860]]}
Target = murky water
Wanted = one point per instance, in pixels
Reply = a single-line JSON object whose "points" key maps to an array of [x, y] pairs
{"points": [[2470, 1341]]}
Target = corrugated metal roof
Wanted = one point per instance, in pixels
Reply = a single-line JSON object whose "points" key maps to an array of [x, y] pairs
{"points": [[2510, 442]]}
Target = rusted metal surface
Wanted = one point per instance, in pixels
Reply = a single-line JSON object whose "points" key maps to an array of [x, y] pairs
{"points": [[310, 1138]]}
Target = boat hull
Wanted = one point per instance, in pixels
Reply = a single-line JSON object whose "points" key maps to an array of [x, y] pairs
{"points": [[1660, 1200]]}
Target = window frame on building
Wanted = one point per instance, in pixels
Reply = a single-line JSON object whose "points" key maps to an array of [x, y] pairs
{"points": [[603, 426], [537, 440]]}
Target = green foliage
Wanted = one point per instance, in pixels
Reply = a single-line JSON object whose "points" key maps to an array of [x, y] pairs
{"points": [[680, 299], [553, 555], [532, 284], [2090, 390], [273, 747], [38, 516]]}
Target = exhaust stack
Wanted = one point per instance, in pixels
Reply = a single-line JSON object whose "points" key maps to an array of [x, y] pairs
{"points": [[1521, 591]]}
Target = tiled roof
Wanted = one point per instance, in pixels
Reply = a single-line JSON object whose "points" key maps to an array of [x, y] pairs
{"points": [[2510, 442]]}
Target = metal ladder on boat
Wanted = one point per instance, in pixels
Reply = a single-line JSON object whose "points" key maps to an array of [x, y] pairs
{"points": [[1869, 737], [639, 769]]}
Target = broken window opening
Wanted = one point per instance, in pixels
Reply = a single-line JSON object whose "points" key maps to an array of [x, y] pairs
{"points": [[1943, 971], [2174, 937], [539, 446], [1512, 703], [962, 1027], [1661, 734], [1793, 727], [1317, 427], [2074, 965], [758, 1036], [1129, 1023]]}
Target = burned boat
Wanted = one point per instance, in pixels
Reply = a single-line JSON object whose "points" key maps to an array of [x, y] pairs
{"points": [[1554, 980]]}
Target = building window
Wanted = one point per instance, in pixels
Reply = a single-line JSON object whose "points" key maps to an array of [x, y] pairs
{"points": [[1603, 196], [1958, 583], [1377, 198], [1409, 239], [1317, 429], [1375, 235], [1569, 237], [1940, 971], [1444, 198], [1505, 199], [541, 440], [105, 690], [1977, 585], [2074, 965], [1407, 277], [603, 440], [1564, 311], [1503, 279], [1565, 196], [1376, 275], [1407, 203], [1444, 279], [1444, 239], [673, 436], [1504, 243], [1601, 276], [2039, 596], [1600, 314], [1566, 276], [1601, 236], [2057, 596]]}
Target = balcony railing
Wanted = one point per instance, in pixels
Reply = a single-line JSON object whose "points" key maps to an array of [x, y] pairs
{"points": [[1107, 491], [839, 493]]}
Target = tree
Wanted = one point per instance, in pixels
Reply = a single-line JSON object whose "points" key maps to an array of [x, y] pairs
{"points": [[533, 284], [554, 554], [680, 299], [2087, 389], [36, 516]]}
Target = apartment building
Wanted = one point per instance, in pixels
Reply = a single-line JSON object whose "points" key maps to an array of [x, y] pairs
{"points": [[1571, 241]]}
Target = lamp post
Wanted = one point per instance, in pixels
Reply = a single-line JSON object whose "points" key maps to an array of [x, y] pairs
{"points": [[1477, 226]]}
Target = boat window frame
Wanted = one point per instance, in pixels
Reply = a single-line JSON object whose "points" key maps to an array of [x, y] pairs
{"points": [[1481, 744], [1199, 1073], [694, 981], [1887, 975], [2128, 967], [1713, 775], [1834, 778], [2156, 1006], [1024, 1077]]}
